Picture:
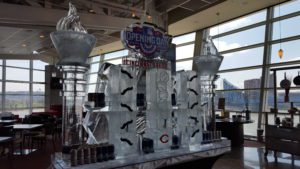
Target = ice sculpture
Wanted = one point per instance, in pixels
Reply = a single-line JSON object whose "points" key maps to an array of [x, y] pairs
{"points": [[187, 110], [208, 64], [73, 45], [120, 112], [159, 108]]}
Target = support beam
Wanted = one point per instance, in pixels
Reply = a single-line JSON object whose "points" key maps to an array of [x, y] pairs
{"points": [[43, 17]]}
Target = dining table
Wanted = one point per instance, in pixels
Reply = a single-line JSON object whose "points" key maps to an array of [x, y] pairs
{"points": [[7, 122], [22, 128], [7, 142]]}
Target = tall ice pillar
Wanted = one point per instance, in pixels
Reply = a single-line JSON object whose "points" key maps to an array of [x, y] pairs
{"points": [[73, 45]]}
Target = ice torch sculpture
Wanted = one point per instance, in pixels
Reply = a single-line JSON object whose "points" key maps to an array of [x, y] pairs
{"points": [[73, 45], [208, 64]]}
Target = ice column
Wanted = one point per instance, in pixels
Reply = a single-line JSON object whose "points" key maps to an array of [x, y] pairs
{"points": [[208, 64], [73, 45]]}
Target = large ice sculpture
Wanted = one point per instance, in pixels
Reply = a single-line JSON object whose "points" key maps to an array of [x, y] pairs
{"points": [[208, 64], [188, 110], [73, 45], [120, 112], [159, 108]]}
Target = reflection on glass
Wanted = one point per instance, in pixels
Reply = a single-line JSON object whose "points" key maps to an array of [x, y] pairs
{"points": [[17, 74], [287, 27], [116, 54], [246, 79], [38, 76], [183, 52], [238, 23], [291, 52], [240, 39], [287, 8], [244, 58], [38, 89], [184, 38], [94, 67], [93, 78], [184, 65], [38, 64], [17, 88], [38, 101], [18, 63]]}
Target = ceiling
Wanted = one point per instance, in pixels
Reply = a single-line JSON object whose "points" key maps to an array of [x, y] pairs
{"points": [[27, 31]]}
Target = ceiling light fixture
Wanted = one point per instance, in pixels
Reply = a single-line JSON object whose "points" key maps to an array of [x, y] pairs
{"points": [[149, 17], [133, 15], [24, 45], [91, 11], [42, 36]]}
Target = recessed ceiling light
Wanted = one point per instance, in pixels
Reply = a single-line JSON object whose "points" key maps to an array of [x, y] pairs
{"points": [[35, 52], [24, 45], [42, 36], [91, 11]]}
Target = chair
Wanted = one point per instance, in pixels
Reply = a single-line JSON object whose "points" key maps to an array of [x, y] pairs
{"points": [[41, 138], [9, 132]]}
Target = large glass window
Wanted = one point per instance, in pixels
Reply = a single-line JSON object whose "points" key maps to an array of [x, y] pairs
{"points": [[287, 28], [17, 74], [244, 58], [184, 38], [116, 54], [290, 49], [95, 59], [37, 64], [240, 39], [18, 63], [186, 51], [238, 23], [17, 86], [184, 65], [246, 79], [287, 8], [38, 76], [94, 67]]}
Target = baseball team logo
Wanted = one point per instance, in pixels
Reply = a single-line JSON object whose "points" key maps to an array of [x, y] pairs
{"points": [[146, 39]]}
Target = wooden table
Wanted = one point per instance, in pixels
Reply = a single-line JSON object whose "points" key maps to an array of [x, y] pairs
{"points": [[22, 128], [233, 130]]}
